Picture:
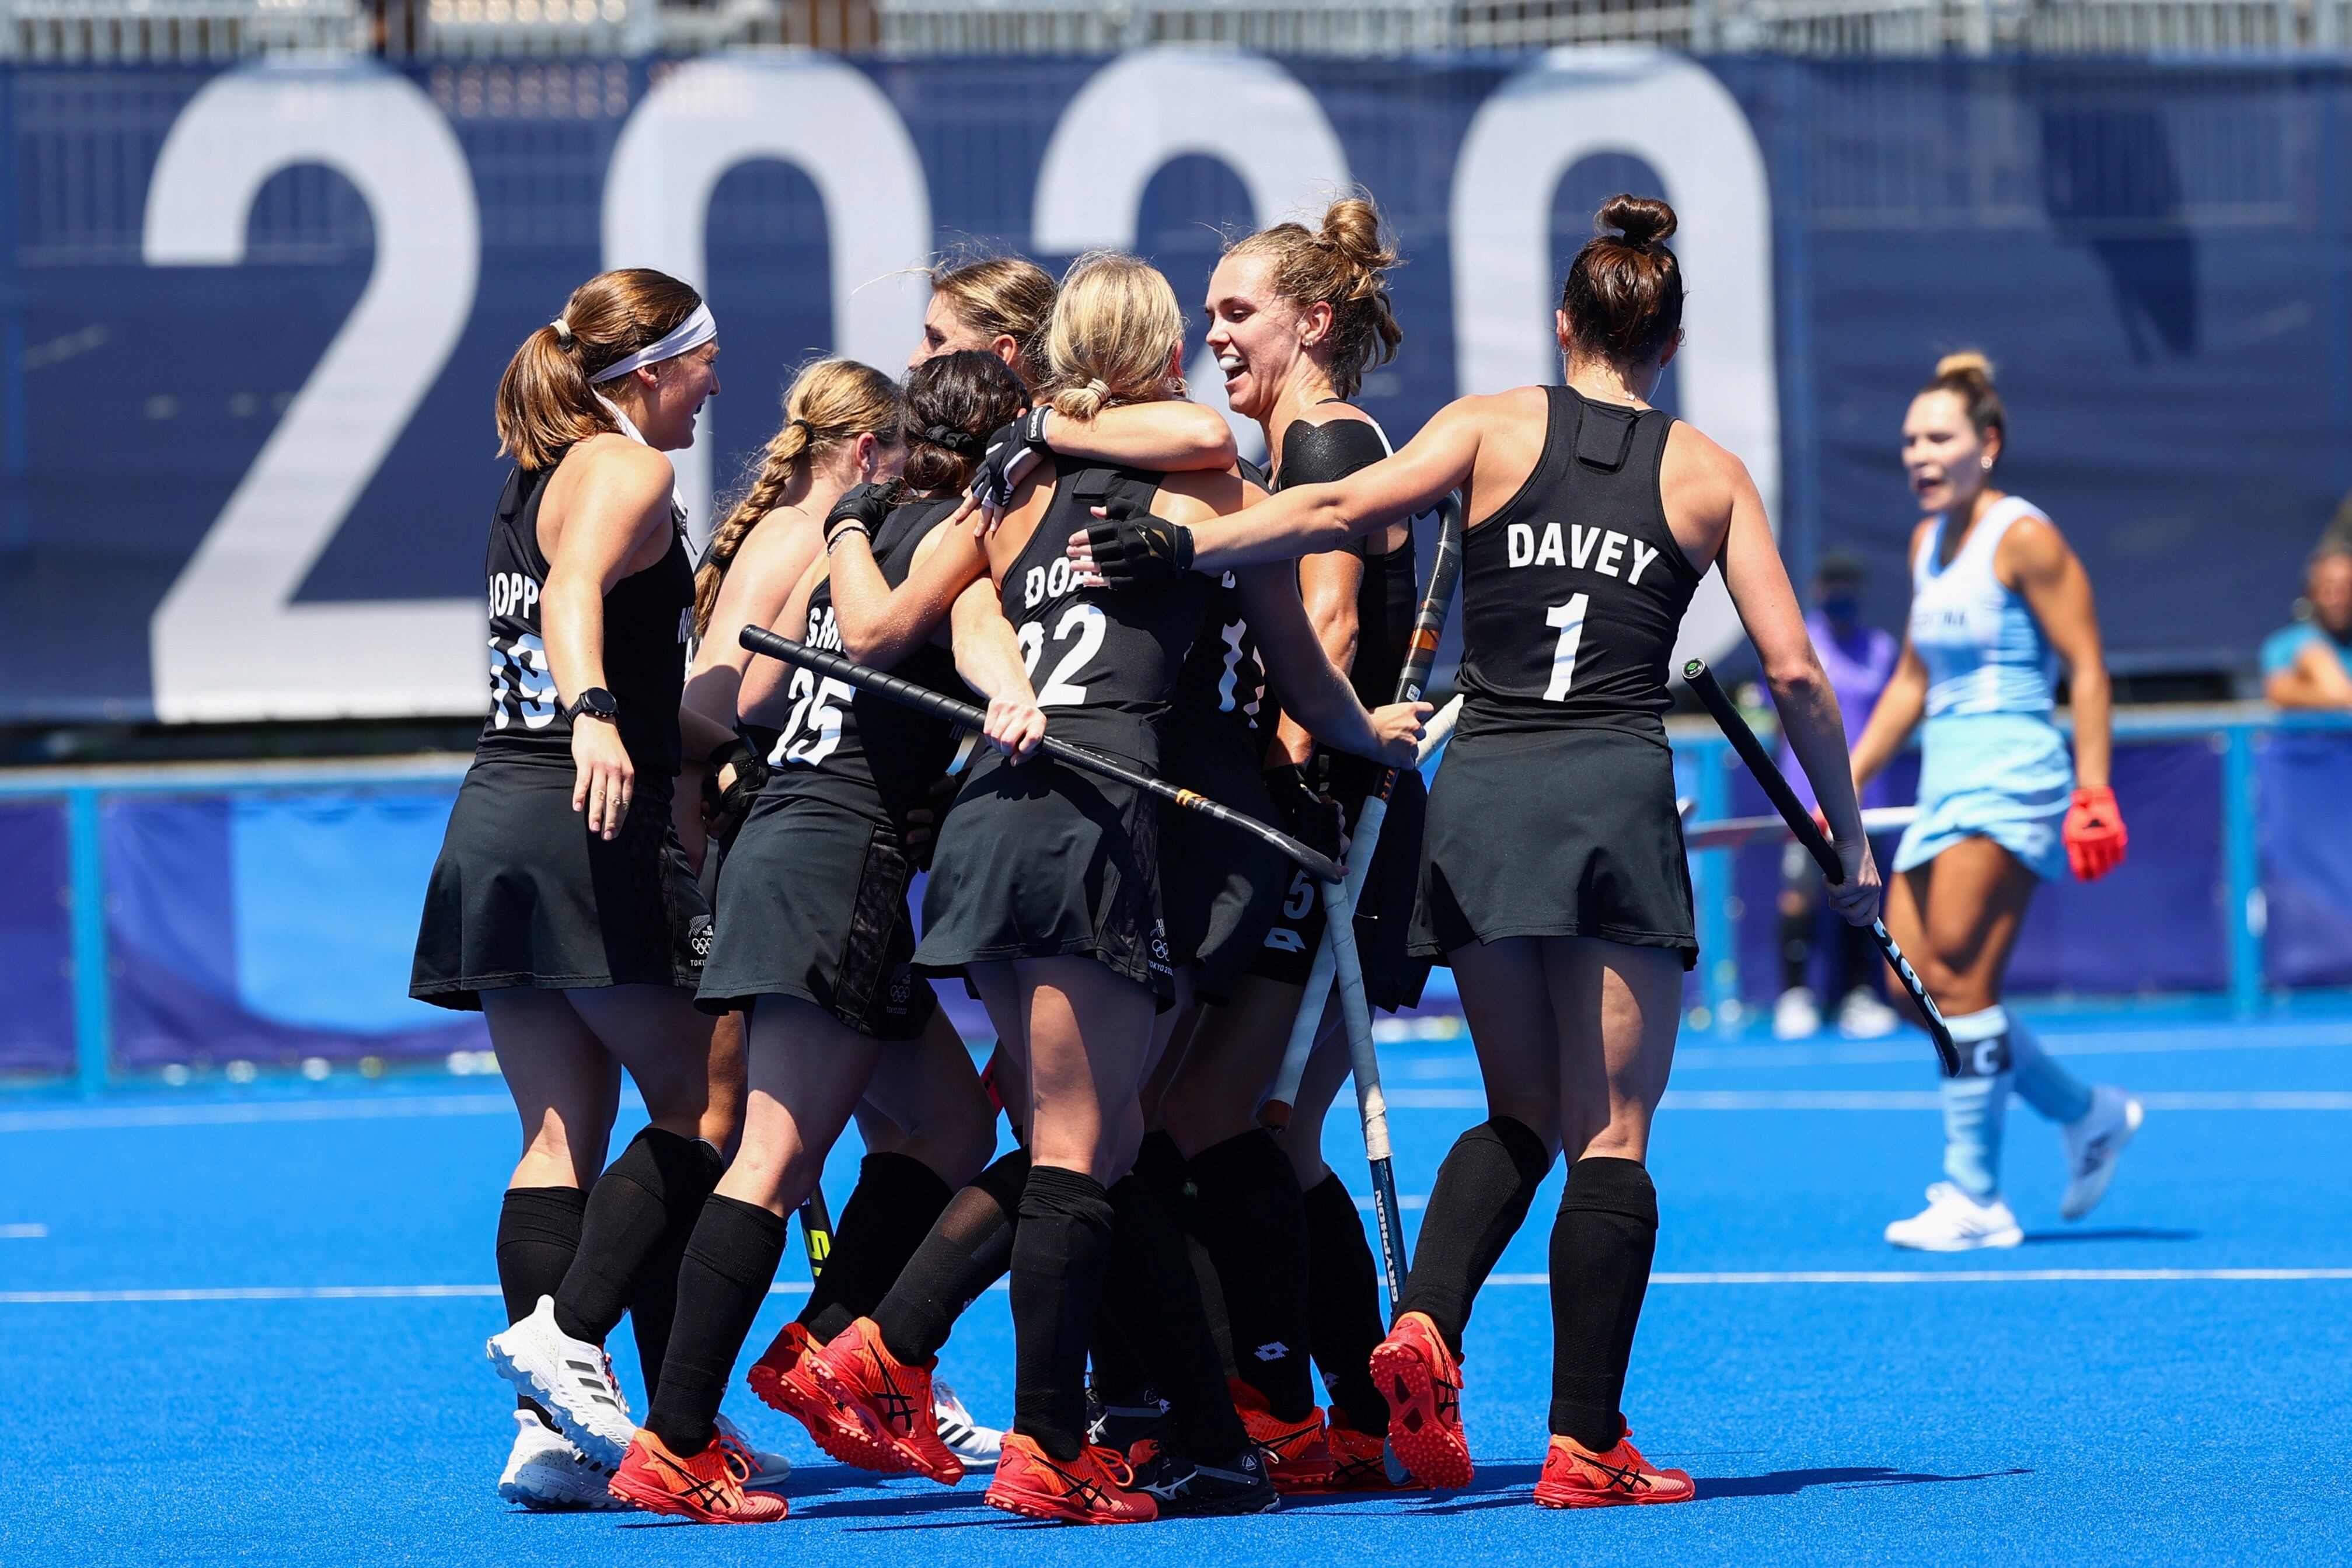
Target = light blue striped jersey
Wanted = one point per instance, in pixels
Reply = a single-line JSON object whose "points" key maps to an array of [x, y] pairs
{"points": [[1984, 650]]}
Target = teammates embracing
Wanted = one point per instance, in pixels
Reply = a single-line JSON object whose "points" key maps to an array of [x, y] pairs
{"points": [[1038, 517]]}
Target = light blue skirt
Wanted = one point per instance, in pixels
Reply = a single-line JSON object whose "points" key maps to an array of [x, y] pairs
{"points": [[2007, 777]]}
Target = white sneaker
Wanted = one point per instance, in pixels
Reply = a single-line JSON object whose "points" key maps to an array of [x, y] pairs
{"points": [[1955, 1222], [571, 1379], [2092, 1145], [977, 1446], [1796, 1016], [546, 1473], [769, 1470], [1862, 1016]]}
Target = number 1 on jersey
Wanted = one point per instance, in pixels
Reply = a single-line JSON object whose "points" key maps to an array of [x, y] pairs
{"points": [[1569, 619]]}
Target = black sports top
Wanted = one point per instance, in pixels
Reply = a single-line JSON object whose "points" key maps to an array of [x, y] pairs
{"points": [[1103, 664], [648, 616], [1572, 593], [1388, 596], [1222, 681], [859, 749]]}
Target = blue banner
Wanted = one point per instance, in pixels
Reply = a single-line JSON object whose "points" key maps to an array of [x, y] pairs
{"points": [[253, 317]]}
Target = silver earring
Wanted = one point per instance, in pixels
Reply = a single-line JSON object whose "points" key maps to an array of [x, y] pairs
{"points": [[1987, 464]]}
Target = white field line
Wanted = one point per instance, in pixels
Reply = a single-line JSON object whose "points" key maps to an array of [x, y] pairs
{"points": [[2122, 1042], [1785, 1277], [23, 1232], [85, 1118], [1893, 1099]]}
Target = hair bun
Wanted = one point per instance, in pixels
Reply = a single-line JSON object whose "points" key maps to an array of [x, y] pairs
{"points": [[1639, 219], [1968, 363], [1352, 226]]}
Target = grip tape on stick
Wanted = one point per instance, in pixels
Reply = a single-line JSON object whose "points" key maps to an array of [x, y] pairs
{"points": [[1766, 772]]}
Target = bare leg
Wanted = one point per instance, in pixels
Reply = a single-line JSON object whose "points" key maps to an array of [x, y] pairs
{"points": [[566, 1085]]}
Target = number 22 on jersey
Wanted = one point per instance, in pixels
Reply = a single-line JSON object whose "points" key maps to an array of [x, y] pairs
{"points": [[1079, 636]]}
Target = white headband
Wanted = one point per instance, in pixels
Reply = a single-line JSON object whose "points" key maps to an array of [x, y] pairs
{"points": [[691, 333]]}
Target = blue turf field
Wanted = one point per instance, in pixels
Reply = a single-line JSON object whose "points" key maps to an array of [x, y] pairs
{"points": [[2106, 1416]]}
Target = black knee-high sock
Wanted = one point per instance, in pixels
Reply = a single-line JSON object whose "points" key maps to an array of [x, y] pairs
{"points": [[1479, 1202], [539, 1231], [1060, 1251], [893, 1206], [1253, 1219], [1600, 1250], [656, 1187], [1161, 1163], [1150, 1287], [969, 1249], [1344, 1300], [729, 1263]]}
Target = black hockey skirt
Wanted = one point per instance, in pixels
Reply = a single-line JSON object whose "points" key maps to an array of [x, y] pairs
{"points": [[1041, 860], [813, 904], [1564, 833], [1220, 888], [523, 894], [1392, 975]]}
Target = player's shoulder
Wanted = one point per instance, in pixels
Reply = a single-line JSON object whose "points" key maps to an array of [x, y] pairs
{"points": [[1201, 493], [2032, 542]]}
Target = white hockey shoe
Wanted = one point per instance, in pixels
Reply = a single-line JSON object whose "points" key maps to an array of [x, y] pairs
{"points": [[546, 1474], [769, 1471], [570, 1378], [1796, 1016], [977, 1446], [2093, 1146], [1955, 1222]]}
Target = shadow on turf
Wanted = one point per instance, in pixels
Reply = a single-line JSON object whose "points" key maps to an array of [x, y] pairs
{"points": [[2123, 1233], [1507, 1486]]}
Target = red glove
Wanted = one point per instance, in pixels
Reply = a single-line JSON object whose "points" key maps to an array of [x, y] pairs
{"points": [[2096, 838]]}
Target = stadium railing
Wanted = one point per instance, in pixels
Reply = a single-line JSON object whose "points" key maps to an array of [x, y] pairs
{"points": [[92, 900], [186, 30]]}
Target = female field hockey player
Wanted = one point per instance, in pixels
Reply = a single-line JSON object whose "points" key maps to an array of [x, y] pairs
{"points": [[1552, 876], [1297, 316], [814, 941], [1996, 599], [561, 904]]}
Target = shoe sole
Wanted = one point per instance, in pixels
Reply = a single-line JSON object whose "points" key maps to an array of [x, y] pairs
{"points": [[1029, 1507], [2133, 1114], [867, 1444], [535, 1386], [1233, 1509], [1988, 1241], [1435, 1456], [1609, 1500], [655, 1500], [803, 1401], [521, 1493]]}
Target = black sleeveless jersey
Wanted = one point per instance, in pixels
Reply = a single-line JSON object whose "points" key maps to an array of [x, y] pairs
{"points": [[1104, 665], [859, 747], [648, 616], [1223, 677], [1389, 595], [1572, 593]]}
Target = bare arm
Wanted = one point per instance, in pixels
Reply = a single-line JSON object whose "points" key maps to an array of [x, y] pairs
{"points": [[1327, 584], [1165, 437], [1311, 518], [2315, 680], [988, 657], [1899, 709], [1801, 690], [2058, 590], [1311, 685], [881, 625]]}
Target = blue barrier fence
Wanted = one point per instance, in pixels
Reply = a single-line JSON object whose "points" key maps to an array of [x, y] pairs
{"points": [[195, 915]]}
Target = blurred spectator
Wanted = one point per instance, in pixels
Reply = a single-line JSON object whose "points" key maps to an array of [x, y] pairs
{"points": [[2305, 665], [1860, 659]]}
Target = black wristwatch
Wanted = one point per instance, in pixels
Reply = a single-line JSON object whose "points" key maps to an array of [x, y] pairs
{"points": [[595, 703]]}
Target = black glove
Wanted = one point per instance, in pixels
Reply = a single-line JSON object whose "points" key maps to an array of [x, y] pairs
{"points": [[1137, 550], [725, 810], [1313, 818], [992, 483], [866, 504]]}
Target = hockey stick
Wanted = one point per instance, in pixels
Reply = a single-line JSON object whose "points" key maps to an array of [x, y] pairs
{"points": [[1428, 627], [1738, 832], [1801, 822], [816, 1230], [922, 699]]}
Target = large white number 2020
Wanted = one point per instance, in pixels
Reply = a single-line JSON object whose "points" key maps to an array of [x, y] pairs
{"points": [[1569, 619], [229, 642], [1085, 621]]}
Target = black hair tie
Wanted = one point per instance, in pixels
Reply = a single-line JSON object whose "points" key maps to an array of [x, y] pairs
{"points": [[963, 443]]}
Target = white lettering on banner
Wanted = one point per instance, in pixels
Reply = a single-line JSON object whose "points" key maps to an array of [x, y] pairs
{"points": [[1675, 115], [227, 641], [829, 120], [1150, 106]]}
